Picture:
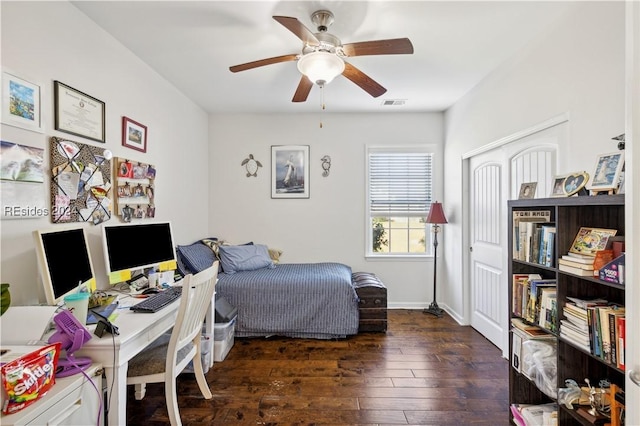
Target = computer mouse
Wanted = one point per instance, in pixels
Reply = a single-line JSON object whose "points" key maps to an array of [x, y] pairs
{"points": [[150, 290]]}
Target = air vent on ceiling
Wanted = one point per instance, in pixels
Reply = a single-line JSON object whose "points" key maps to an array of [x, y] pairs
{"points": [[392, 102]]}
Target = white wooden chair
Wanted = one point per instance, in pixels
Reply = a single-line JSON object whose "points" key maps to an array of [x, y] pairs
{"points": [[165, 358]]}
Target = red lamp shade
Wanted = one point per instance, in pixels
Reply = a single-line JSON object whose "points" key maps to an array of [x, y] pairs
{"points": [[436, 215]]}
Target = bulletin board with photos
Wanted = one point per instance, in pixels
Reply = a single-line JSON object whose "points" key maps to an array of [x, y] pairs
{"points": [[135, 195], [80, 182]]}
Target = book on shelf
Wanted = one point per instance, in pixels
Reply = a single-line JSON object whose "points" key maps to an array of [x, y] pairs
{"points": [[571, 257], [526, 233], [548, 309], [578, 265], [621, 336], [530, 331], [577, 336], [537, 285], [585, 303], [575, 271]]}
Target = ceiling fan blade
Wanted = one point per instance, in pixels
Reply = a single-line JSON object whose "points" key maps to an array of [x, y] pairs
{"points": [[263, 62], [363, 80], [296, 27], [302, 92], [379, 47]]}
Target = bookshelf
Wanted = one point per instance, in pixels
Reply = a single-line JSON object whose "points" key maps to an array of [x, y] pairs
{"points": [[567, 216]]}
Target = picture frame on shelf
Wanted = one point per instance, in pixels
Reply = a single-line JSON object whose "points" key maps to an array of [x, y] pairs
{"points": [[21, 103], [134, 134], [574, 183], [557, 189], [77, 113], [290, 171], [590, 240], [620, 189], [527, 190], [606, 174]]}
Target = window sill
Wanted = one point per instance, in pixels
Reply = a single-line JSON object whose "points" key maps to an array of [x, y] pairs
{"points": [[399, 257]]}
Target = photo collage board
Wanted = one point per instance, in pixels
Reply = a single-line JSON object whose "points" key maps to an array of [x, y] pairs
{"points": [[80, 182], [135, 194]]}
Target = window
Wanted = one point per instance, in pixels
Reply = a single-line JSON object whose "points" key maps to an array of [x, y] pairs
{"points": [[399, 197]]}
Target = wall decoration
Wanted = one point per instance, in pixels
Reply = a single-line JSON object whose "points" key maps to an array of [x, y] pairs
{"points": [[80, 182], [290, 171], [134, 134], [21, 174], [557, 189], [78, 113], [21, 162], [574, 183], [135, 197], [21, 101], [606, 175], [326, 165], [527, 190], [251, 165]]}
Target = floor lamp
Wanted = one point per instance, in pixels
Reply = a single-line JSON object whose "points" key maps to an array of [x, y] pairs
{"points": [[436, 218]]}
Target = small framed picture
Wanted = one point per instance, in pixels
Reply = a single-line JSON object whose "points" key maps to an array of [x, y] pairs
{"points": [[621, 185], [590, 240], [290, 171], [557, 189], [134, 135], [21, 103], [575, 182], [606, 175], [527, 190]]}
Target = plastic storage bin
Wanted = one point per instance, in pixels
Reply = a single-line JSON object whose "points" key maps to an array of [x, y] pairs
{"points": [[205, 354], [223, 336]]}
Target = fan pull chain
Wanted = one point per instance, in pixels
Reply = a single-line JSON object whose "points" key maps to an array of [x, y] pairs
{"points": [[322, 104]]}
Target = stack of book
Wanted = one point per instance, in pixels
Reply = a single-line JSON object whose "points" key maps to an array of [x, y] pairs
{"points": [[583, 264], [597, 327]]}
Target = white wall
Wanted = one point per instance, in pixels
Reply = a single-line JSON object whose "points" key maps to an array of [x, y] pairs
{"points": [[46, 41], [577, 67], [330, 225]]}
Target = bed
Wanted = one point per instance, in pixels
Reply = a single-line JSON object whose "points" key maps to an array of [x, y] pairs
{"points": [[307, 300], [301, 300]]}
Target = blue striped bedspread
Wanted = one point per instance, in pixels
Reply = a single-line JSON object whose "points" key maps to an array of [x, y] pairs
{"points": [[305, 300]]}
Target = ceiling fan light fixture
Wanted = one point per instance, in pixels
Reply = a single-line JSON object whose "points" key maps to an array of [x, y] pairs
{"points": [[320, 67]]}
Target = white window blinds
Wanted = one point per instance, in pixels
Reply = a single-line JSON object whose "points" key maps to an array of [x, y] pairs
{"points": [[400, 183]]}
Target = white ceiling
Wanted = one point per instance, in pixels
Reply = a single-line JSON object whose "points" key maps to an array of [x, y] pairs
{"points": [[193, 43]]}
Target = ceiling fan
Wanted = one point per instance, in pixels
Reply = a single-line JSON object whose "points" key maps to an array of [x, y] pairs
{"points": [[323, 55]]}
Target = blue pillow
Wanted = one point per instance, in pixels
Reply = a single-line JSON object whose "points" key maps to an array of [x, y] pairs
{"points": [[244, 258], [196, 257]]}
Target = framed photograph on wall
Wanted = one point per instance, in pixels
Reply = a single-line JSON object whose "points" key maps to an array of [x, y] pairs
{"points": [[134, 134], [78, 113], [21, 103], [606, 174], [527, 190], [557, 189], [290, 171]]}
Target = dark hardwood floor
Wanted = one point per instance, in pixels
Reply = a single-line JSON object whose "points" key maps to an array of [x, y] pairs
{"points": [[424, 370]]}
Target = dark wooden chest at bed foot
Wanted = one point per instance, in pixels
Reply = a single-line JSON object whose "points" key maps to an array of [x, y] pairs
{"points": [[373, 301]]}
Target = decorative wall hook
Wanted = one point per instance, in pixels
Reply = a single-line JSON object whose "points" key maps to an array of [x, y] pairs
{"points": [[251, 165], [326, 165]]}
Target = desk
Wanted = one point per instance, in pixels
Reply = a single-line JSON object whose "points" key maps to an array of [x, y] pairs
{"points": [[137, 330]]}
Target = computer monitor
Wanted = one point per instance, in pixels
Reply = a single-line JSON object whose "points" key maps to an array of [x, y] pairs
{"points": [[64, 261], [136, 247]]}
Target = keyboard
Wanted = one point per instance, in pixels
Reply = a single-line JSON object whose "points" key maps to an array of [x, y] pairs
{"points": [[158, 301]]}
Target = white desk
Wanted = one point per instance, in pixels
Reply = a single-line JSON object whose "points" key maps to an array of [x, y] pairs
{"points": [[137, 330]]}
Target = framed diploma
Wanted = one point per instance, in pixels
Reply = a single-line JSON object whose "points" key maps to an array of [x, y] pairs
{"points": [[78, 113]]}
